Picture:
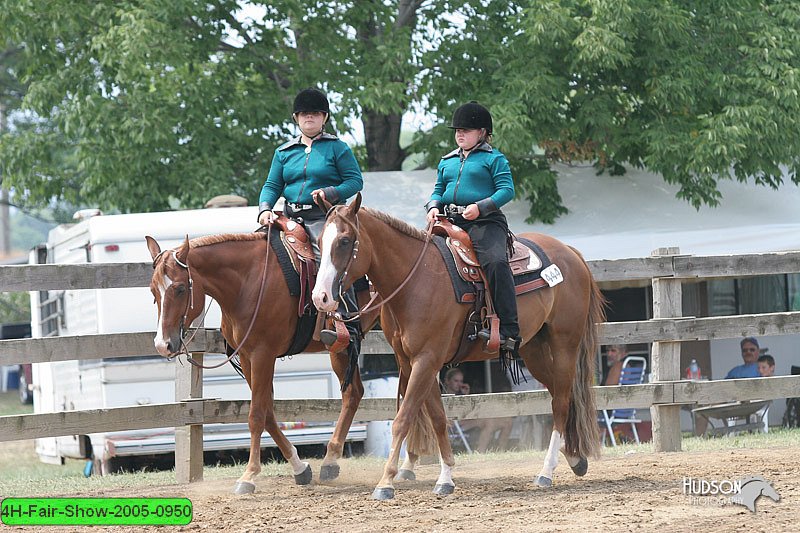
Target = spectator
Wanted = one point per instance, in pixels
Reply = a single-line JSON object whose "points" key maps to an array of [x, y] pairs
{"points": [[766, 366], [749, 369], [615, 355], [487, 427]]}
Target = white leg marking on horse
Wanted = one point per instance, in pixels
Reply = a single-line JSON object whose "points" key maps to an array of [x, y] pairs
{"points": [[446, 474], [160, 343], [551, 459], [298, 466], [408, 464], [572, 461], [327, 272]]}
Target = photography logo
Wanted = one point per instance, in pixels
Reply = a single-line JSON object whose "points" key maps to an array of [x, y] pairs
{"points": [[743, 491]]}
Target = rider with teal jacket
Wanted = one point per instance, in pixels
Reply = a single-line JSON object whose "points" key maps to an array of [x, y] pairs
{"points": [[473, 183], [314, 165]]}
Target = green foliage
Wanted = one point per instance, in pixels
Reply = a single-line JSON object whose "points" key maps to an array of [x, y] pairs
{"points": [[15, 307], [696, 91], [154, 103], [151, 104]]}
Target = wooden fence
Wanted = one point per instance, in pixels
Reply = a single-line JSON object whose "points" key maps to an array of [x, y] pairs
{"points": [[664, 395]]}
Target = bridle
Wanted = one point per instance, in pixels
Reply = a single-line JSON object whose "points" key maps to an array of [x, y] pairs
{"points": [[370, 306], [190, 305]]}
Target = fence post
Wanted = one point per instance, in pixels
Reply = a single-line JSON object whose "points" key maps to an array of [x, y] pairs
{"points": [[189, 439], [667, 299]]}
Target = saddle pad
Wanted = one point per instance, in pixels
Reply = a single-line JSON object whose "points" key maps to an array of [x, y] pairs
{"points": [[465, 292], [287, 267], [306, 323]]}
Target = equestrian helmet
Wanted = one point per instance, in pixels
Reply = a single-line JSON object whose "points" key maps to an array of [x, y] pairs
{"points": [[310, 101], [472, 116]]}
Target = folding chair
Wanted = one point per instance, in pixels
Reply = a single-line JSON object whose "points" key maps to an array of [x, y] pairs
{"points": [[633, 372], [457, 434]]}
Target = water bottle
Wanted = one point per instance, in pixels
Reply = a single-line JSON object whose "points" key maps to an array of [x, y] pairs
{"points": [[693, 372]]}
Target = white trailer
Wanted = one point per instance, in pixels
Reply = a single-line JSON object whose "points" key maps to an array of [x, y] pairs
{"points": [[105, 383]]}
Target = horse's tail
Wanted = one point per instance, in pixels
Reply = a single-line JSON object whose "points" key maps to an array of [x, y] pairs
{"points": [[421, 438], [582, 436]]}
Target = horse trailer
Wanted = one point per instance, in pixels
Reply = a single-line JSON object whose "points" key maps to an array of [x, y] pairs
{"points": [[119, 382]]}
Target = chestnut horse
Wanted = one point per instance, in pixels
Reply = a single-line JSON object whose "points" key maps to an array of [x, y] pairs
{"points": [[424, 323], [231, 270]]}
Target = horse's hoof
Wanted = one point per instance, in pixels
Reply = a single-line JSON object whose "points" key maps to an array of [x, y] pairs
{"points": [[444, 489], [542, 481], [328, 472], [244, 487], [386, 493], [405, 475], [304, 477], [581, 468]]}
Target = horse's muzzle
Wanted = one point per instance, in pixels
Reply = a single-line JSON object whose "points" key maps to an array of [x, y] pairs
{"points": [[324, 301], [165, 347]]}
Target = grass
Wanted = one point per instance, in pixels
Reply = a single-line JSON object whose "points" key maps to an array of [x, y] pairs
{"points": [[21, 473], [10, 405]]}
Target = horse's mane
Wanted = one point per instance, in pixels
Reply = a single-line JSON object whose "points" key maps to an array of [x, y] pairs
{"points": [[160, 266], [225, 237], [403, 227]]}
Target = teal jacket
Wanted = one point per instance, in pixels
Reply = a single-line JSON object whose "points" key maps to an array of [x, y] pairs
{"points": [[483, 178], [330, 166]]}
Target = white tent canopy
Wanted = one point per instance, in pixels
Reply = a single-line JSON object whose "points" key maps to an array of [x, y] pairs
{"points": [[614, 217]]}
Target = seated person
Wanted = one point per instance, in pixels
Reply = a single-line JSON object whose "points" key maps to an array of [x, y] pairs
{"points": [[615, 355], [766, 366], [487, 427], [749, 369]]}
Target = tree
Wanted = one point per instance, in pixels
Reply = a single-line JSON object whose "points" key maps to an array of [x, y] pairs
{"points": [[163, 103], [155, 104], [696, 91]]}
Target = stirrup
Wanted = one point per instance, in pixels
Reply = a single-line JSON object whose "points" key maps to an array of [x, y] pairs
{"points": [[510, 344], [485, 334], [327, 337]]}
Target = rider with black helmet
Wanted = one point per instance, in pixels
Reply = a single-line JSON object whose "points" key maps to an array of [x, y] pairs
{"points": [[473, 183], [314, 165]]}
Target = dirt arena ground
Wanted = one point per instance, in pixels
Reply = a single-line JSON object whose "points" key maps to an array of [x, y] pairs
{"points": [[639, 491]]}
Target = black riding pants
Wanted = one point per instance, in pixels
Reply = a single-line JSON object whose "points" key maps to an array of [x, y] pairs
{"points": [[489, 236]]}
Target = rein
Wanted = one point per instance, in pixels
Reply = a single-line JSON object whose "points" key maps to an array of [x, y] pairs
{"points": [[184, 343], [369, 306]]}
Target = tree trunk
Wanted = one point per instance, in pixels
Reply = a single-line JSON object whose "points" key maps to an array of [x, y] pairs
{"points": [[382, 135]]}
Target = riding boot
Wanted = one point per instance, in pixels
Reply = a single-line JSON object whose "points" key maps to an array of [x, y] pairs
{"points": [[501, 284]]}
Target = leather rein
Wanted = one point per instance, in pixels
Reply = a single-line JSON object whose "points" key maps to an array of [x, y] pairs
{"points": [[184, 349], [370, 306]]}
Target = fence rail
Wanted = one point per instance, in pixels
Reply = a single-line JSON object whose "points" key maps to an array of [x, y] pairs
{"points": [[665, 396], [106, 345], [125, 275], [212, 411]]}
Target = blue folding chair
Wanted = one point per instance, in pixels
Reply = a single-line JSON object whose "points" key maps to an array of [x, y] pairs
{"points": [[633, 372]]}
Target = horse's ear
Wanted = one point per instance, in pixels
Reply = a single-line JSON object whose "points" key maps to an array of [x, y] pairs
{"points": [[153, 246], [323, 204], [183, 251], [355, 205]]}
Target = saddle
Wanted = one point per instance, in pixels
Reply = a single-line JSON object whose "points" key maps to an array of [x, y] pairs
{"points": [[526, 267], [522, 260], [297, 242]]}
